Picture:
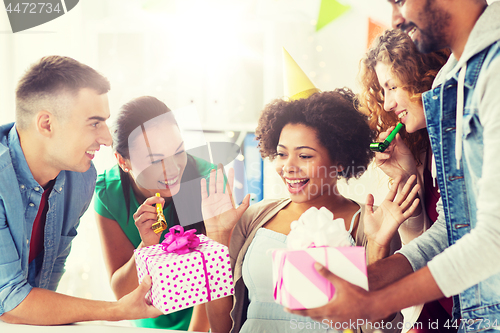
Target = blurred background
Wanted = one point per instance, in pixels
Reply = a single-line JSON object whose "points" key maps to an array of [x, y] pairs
{"points": [[220, 58]]}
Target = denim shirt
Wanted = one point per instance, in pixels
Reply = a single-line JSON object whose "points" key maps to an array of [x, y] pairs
{"points": [[20, 196], [465, 193]]}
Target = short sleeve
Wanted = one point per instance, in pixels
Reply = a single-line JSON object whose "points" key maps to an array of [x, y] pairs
{"points": [[101, 200], [204, 167]]}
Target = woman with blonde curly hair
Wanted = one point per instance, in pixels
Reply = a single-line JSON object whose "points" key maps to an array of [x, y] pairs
{"points": [[393, 75]]}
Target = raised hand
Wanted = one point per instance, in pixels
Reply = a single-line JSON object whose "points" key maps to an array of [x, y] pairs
{"points": [[397, 160], [144, 218], [218, 209], [381, 225]]}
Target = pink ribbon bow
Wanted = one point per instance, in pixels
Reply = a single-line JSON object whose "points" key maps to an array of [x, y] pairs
{"points": [[180, 241]]}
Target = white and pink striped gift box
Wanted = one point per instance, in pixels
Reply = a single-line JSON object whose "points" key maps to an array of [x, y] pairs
{"points": [[181, 281], [297, 284]]}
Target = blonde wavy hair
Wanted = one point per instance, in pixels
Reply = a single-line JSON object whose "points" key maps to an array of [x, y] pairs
{"points": [[415, 72]]}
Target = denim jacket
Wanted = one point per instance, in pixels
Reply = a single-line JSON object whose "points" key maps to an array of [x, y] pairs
{"points": [[462, 248], [465, 191], [20, 196]]}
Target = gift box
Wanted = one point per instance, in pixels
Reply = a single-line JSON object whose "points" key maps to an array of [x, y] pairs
{"points": [[316, 237], [297, 284], [186, 269]]}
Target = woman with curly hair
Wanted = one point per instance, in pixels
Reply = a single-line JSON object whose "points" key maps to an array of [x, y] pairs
{"points": [[393, 75], [314, 142]]}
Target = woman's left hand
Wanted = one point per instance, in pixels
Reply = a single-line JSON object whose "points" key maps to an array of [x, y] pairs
{"points": [[381, 225]]}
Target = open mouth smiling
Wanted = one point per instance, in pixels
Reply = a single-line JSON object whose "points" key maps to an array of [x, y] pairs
{"points": [[296, 185], [169, 182]]}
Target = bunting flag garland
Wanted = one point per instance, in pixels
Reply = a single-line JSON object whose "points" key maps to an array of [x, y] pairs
{"points": [[330, 10], [374, 30]]}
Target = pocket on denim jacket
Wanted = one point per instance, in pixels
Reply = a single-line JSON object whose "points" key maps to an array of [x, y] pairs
{"points": [[64, 245], [472, 128]]}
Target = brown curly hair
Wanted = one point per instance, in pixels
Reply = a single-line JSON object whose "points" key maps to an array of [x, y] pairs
{"points": [[340, 128], [414, 70]]}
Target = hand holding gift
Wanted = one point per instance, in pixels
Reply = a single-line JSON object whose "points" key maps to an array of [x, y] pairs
{"points": [[315, 237], [349, 304], [135, 303]]}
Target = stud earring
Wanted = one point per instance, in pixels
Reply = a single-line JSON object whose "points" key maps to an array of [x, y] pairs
{"points": [[126, 169]]}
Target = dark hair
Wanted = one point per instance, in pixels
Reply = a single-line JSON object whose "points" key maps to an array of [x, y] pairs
{"points": [[132, 115], [340, 128], [414, 70], [48, 78]]}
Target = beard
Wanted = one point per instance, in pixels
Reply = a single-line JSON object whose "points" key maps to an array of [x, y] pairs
{"points": [[432, 29]]}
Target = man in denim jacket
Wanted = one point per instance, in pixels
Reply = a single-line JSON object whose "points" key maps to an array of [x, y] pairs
{"points": [[47, 180], [460, 253]]}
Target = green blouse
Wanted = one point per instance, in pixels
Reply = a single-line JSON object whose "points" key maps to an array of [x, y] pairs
{"points": [[110, 203]]}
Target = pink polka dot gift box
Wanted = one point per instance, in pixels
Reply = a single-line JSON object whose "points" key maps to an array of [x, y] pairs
{"points": [[186, 269]]}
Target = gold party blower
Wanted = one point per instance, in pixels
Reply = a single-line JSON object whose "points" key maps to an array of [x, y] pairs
{"points": [[161, 223]]}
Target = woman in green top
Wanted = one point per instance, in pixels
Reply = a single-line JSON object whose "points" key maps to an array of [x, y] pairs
{"points": [[151, 158]]}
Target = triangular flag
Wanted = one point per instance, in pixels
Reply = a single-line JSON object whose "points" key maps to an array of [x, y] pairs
{"points": [[374, 30], [329, 10], [296, 83]]}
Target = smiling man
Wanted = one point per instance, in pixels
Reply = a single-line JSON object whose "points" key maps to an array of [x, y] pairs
{"points": [[47, 180], [459, 254]]}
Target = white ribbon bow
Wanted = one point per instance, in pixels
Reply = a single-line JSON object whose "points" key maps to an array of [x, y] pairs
{"points": [[316, 227]]}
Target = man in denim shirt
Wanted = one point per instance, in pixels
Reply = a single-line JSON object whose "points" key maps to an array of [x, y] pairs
{"points": [[47, 180], [459, 254]]}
